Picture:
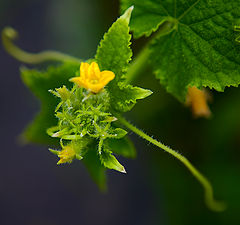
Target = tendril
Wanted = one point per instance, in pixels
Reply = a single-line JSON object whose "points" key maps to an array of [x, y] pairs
{"points": [[9, 35]]}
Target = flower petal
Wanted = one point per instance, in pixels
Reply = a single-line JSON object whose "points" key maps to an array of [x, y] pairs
{"points": [[84, 70], [93, 71], [106, 77], [79, 81], [66, 155]]}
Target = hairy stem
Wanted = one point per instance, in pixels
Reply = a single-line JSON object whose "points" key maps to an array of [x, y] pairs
{"points": [[209, 199], [9, 35]]}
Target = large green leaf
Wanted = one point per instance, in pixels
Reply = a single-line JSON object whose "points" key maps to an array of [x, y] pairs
{"points": [[147, 15], [201, 51], [40, 83]]}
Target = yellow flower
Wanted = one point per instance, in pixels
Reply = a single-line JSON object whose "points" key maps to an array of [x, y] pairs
{"points": [[197, 99], [92, 78], [66, 155]]}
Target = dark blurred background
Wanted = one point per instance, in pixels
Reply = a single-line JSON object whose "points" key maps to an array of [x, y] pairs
{"points": [[157, 190]]}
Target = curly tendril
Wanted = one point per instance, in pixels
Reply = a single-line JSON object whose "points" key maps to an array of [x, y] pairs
{"points": [[9, 35]]}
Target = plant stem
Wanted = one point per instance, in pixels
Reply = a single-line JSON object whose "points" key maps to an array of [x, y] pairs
{"points": [[209, 199], [139, 64], [9, 34]]}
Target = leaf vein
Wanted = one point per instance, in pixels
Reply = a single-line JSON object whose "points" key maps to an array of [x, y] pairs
{"points": [[209, 18], [188, 10]]}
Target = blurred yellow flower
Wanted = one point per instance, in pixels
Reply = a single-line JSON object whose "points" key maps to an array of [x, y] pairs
{"points": [[66, 155], [198, 100], [92, 78]]}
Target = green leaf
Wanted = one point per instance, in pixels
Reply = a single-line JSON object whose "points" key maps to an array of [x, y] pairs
{"points": [[110, 162], [125, 96], [95, 168], [39, 83], [123, 147], [63, 93], [117, 133], [114, 52], [55, 152], [201, 51], [147, 15]]}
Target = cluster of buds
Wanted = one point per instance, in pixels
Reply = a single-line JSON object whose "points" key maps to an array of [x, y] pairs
{"points": [[84, 115]]}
